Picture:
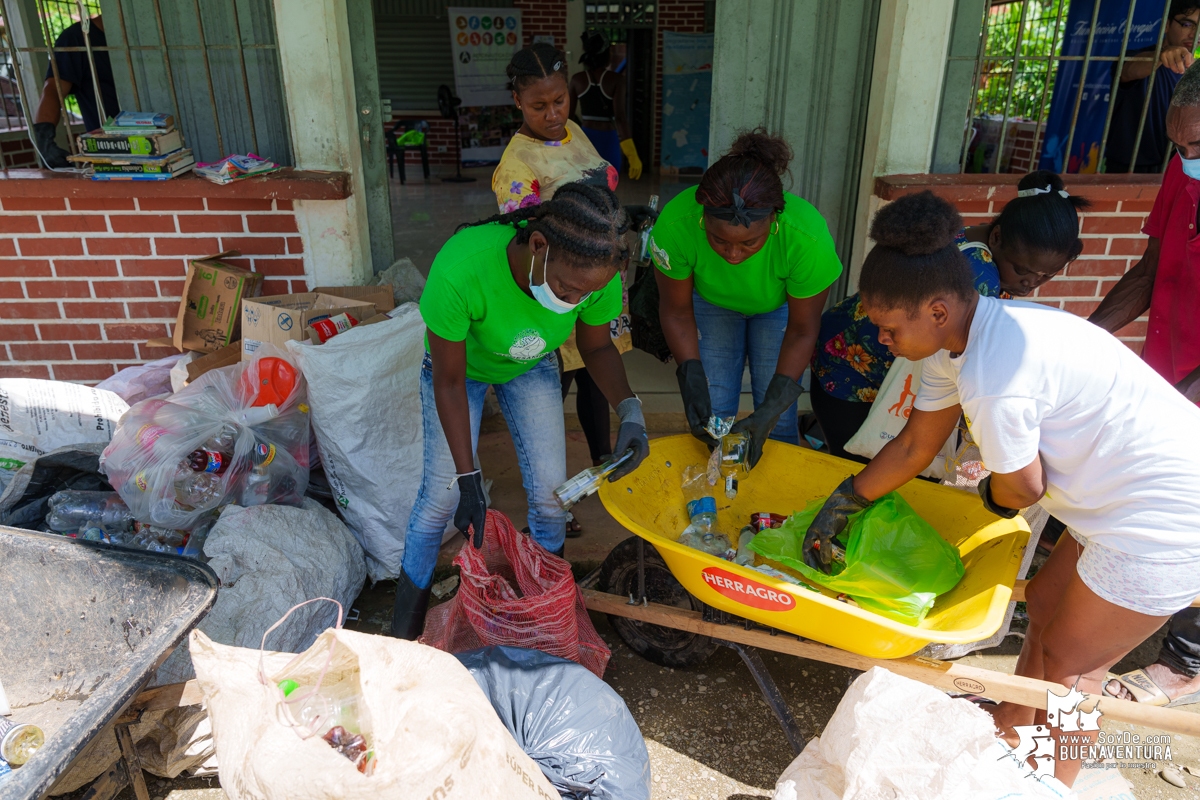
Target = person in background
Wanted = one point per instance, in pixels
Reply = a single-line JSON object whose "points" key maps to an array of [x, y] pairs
{"points": [[1064, 414], [548, 152], [743, 271], [74, 79], [1178, 45], [598, 99], [1166, 282], [1028, 243], [502, 295]]}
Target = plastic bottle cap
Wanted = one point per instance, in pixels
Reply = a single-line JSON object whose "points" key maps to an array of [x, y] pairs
{"points": [[288, 686]]}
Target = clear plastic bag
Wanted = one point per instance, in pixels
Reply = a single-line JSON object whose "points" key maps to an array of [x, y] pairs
{"points": [[175, 460], [896, 564]]}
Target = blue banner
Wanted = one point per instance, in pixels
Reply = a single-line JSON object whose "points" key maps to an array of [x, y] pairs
{"points": [[1085, 155]]}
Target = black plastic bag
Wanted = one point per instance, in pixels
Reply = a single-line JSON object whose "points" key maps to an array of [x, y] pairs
{"points": [[646, 331], [570, 722]]}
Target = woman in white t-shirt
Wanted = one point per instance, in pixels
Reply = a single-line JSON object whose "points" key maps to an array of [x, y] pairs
{"points": [[1065, 416]]}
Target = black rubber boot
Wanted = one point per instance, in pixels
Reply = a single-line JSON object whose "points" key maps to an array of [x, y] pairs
{"points": [[408, 614]]}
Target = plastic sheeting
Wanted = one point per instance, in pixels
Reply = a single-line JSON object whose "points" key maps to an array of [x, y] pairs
{"points": [[570, 722]]}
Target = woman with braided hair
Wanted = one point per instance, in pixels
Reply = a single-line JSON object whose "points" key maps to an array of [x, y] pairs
{"points": [[743, 271], [502, 294]]}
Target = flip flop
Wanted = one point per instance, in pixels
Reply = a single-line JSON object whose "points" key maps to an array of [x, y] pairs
{"points": [[1148, 693], [573, 533]]}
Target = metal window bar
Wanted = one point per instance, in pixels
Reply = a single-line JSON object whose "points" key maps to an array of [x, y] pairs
{"points": [[990, 69], [56, 15]]}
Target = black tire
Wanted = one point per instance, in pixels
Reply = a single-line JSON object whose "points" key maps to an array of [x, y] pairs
{"points": [[666, 647]]}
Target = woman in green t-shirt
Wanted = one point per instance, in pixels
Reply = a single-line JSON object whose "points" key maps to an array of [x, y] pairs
{"points": [[744, 268], [501, 296]]}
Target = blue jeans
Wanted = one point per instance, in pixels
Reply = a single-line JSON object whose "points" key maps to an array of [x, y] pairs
{"points": [[532, 407], [727, 339]]}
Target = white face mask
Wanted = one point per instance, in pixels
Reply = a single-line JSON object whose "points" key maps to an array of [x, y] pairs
{"points": [[542, 293]]}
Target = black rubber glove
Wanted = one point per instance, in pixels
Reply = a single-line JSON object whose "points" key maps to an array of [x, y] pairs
{"points": [[630, 436], [54, 156], [640, 216], [782, 391], [829, 522], [472, 507], [697, 404], [985, 491]]}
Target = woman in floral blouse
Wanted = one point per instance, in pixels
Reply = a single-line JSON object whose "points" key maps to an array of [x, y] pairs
{"points": [[1032, 240]]}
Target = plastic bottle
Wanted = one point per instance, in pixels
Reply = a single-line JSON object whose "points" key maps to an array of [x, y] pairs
{"points": [[745, 556], [71, 510], [587, 482], [320, 712], [198, 489], [19, 741], [257, 487], [205, 460], [701, 534]]}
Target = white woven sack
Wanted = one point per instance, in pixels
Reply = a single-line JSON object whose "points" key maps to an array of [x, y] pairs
{"points": [[433, 730], [890, 413]]}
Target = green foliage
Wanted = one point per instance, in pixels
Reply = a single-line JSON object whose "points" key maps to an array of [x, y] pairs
{"points": [[1041, 36]]}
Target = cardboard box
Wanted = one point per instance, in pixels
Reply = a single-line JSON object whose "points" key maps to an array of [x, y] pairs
{"points": [[381, 296], [229, 354], [282, 318], [210, 309]]}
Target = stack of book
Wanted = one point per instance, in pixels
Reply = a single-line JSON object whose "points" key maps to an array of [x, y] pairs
{"points": [[134, 146]]}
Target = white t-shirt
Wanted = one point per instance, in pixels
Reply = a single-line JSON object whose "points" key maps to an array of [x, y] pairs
{"points": [[1120, 446]]}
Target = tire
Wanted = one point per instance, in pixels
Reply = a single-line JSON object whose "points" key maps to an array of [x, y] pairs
{"points": [[666, 647]]}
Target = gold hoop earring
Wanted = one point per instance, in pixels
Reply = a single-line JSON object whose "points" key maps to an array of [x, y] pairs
{"points": [[701, 222], [775, 229]]}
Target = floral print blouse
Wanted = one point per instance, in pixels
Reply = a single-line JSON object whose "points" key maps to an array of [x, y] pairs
{"points": [[531, 170], [849, 361]]}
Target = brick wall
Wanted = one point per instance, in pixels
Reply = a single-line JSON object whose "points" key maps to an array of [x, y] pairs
{"points": [[1110, 229], [18, 150], [679, 16], [543, 18], [86, 280]]}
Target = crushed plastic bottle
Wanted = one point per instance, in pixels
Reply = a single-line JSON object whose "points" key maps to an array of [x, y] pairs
{"points": [[72, 510], [19, 741], [701, 533], [197, 489], [727, 464], [745, 556]]}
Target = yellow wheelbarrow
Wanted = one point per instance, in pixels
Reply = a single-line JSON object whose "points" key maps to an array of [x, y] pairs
{"points": [[675, 605]]}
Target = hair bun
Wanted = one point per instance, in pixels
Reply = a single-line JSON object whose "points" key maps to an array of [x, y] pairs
{"points": [[916, 224], [773, 151], [1042, 179]]}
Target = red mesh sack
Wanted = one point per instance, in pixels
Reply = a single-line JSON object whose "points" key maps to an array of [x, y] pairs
{"points": [[512, 592]]}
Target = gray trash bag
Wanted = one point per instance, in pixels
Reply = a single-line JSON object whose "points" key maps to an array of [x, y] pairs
{"points": [[570, 722]]}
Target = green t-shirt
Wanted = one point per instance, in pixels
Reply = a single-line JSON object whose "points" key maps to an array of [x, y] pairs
{"points": [[471, 296], [798, 260]]}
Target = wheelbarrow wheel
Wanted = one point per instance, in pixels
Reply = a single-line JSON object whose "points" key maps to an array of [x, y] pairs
{"points": [[667, 647]]}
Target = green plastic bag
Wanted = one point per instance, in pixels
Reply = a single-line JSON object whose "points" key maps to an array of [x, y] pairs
{"points": [[896, 564]]}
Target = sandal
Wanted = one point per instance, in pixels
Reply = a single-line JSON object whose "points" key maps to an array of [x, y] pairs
{"points": [[574, 529], [1146, 692]]}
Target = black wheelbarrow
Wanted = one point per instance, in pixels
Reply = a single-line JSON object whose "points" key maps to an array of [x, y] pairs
{"points": [[82, 628]]}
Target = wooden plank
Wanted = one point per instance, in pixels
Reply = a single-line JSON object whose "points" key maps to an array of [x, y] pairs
{"points": [[133, 765], [174, 695], [1018, 594], [947, 675]]}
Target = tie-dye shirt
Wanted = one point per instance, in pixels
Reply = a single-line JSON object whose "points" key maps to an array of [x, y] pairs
{"points": [[532, 170], [850, 362]]}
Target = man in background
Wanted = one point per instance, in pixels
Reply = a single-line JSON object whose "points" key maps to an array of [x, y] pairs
{"points": [[74, 78], [1166, 282], [1177, 48]]}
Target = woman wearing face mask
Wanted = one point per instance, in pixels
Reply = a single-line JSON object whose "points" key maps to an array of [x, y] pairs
{"points": [[1064, 414], [743, 271], [1032, 239], [549, 152], [502, 295]]}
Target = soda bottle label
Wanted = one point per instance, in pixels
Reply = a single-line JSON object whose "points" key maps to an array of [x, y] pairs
{"points": [[264, 454], [215, 461], [148, 434], [140, 481], [702, 505]]}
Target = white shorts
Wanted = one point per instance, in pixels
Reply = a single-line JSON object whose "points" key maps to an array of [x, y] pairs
{"points": [[1157, 587]]}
